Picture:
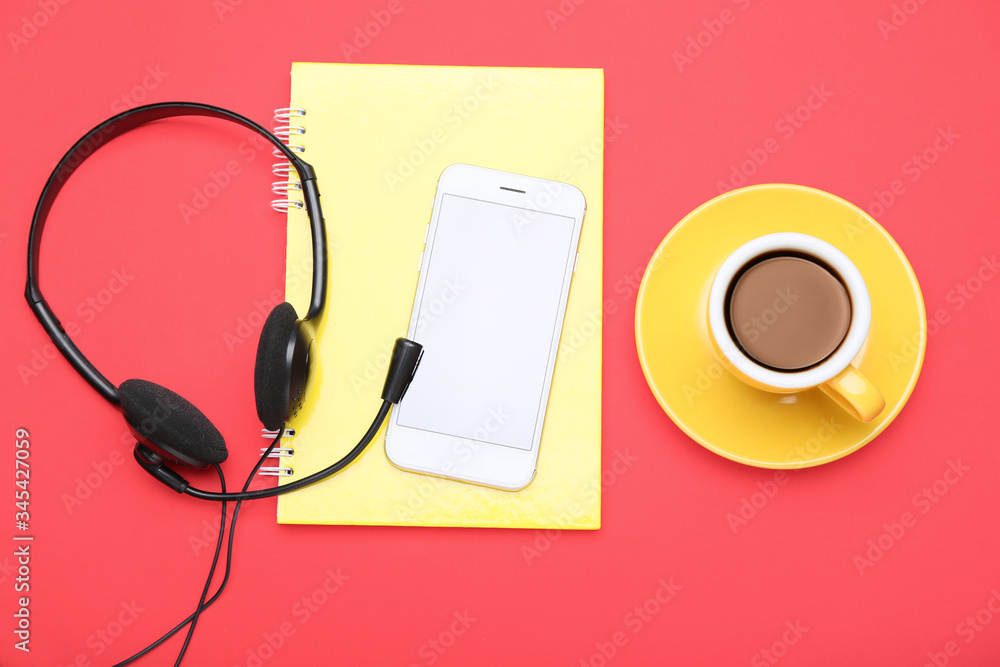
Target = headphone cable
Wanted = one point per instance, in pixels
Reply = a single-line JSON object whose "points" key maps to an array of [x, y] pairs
{"points": [[319, 476], [211, 572], [229, 559]]}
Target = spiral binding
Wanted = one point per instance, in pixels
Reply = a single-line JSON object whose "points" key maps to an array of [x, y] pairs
{"points": [[268, 471], [277, 453], [287, 183]]}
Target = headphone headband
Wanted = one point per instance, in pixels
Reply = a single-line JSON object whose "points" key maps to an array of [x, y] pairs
{"points": [[99, 136]]}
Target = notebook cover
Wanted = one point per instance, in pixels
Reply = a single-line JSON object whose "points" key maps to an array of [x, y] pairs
{"points": [[379, 137]]}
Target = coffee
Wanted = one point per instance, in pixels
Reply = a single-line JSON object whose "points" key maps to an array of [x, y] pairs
{"points": [[788, 312]]}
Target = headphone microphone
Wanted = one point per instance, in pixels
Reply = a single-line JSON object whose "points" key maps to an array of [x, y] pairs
{"points": [[406, 357], [168, 428]]}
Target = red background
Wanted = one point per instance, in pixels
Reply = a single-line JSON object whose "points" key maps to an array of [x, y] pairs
{"points": [[681, 130]]}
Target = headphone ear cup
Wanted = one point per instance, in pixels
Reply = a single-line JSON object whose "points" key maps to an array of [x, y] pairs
{"points": [[170, 423], [272, 374]]}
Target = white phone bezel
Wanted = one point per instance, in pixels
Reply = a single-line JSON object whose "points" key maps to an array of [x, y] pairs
{"points": [[463, 459]]}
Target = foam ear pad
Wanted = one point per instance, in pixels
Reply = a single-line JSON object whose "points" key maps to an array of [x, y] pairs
{"points": [[171, 422], [271, 374]]}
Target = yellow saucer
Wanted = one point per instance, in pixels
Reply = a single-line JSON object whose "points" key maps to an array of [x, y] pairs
{"points": [[724, 414]]}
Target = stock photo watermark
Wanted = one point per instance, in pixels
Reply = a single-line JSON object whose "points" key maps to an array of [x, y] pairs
{"points": [[958, 298], [635, 620], [224, 7], [967, 630], [895, 530], [461, 451], [218, 180], [913, 169], [713, 28], [151, 80], [85, 485], [786, 127], [368, 31], [31, 24], [431, 310], [87, 310], [702, 381], [561, 13], [23, 540], [591, 152], [577, 334], [104, 637], [756, 325], [778, 649], [303, 610], [751, 504], [88, 483], [483, 92], [825, 432], [248, 326], [898, 17], [434, 648], [567, 517]]}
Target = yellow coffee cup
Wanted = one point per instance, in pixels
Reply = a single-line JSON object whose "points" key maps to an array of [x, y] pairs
{"points": [[836, 375]]}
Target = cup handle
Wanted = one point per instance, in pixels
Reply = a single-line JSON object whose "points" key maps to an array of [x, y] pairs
{"points": [[855, 393]]}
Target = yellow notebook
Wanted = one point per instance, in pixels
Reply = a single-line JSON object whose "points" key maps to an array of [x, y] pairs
{"points": [[379, 137]]}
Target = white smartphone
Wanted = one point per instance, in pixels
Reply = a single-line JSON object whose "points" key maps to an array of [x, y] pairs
{"points": [[499, 254]]}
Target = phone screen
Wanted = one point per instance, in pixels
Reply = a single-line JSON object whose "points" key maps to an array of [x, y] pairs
{"points": [[486, 317]]}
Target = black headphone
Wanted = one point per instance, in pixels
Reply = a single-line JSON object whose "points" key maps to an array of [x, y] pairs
{"points": [[166, 426]]}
